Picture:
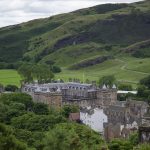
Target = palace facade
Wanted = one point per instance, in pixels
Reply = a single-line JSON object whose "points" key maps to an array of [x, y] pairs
{"points": [[58, 94]]}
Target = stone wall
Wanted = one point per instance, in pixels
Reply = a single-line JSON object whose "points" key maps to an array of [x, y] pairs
{"points": [[144, 134], [51, 99], [105, 97], [112, 131]]}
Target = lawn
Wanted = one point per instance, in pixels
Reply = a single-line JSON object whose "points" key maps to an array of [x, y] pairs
{"points": [[9, 77]]}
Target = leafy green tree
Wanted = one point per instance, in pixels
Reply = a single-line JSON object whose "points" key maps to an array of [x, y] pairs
{"points": [[56, 69], [40, 109], [126, 87], [40, 72], [11, 113], [7, 112], [17, 97], [107, 80], [67, 109], [72, 137], [118, 144], [144, 146], [134, 139], [25, 70], [146, 81], [3, 111], [8, 140], [141, 91], [33, 139], [33, 122], [11, 88]]}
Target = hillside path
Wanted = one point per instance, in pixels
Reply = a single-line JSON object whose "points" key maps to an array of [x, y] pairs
{"points": [[124, 67]]}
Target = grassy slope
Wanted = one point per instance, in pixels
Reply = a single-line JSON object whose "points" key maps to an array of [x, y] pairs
{"points": [[105, 24], [125, 70], [9, 77]]}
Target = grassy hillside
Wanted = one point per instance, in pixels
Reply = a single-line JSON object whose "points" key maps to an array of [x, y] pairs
{"points": [[107, 25], [119, 31], [9, 77], [126, 70]]}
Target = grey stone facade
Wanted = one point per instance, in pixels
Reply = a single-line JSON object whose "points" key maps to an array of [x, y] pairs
{"points": [[144, 129], [73, 93], [124, 117]]}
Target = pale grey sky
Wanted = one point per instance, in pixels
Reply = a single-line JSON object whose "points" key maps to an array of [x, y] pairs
{"points": [[17, 11]]}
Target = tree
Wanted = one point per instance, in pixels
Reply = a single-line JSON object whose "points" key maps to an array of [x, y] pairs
{"points": [[126, 87], [3, 110], [72, 136], [107, 80], [25, 71], [40, 72], [141, 91], [8, 140], [144, 147], [40, 109], [67, 109], [134, 139], [56, 69], [11, 88], [33, 122], [120, 144], [146, 81], [17, 97]]}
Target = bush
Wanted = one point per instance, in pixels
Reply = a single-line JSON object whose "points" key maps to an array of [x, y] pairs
{"points": [[125, 87], [56, 69], [11, 88]]}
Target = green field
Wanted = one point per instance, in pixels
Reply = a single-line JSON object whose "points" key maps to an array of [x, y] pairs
{"points": [[9, 77], [126, 70]]}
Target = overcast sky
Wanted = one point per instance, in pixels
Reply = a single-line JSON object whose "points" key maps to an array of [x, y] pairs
{"points": [[17, 11]]}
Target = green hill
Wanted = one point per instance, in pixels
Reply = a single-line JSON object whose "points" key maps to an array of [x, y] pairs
{"points": [[83, 36]]}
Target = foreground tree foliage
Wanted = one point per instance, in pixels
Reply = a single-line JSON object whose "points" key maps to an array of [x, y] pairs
{"points": [[144, 147], [8, 141], [37, 127], [26, 125], [72, 137], [67, 109]]}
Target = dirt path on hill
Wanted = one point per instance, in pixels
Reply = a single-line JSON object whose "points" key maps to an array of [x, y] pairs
{"points": [[124, 67]]}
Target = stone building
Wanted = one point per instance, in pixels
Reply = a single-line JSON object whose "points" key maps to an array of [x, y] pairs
{"points": [[74, 117], [51, 99], [128, 114], [144, 129], [58, 94]]}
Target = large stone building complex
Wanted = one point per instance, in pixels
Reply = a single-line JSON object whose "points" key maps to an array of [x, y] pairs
{"points": [[123, 117], [58, 94]]}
